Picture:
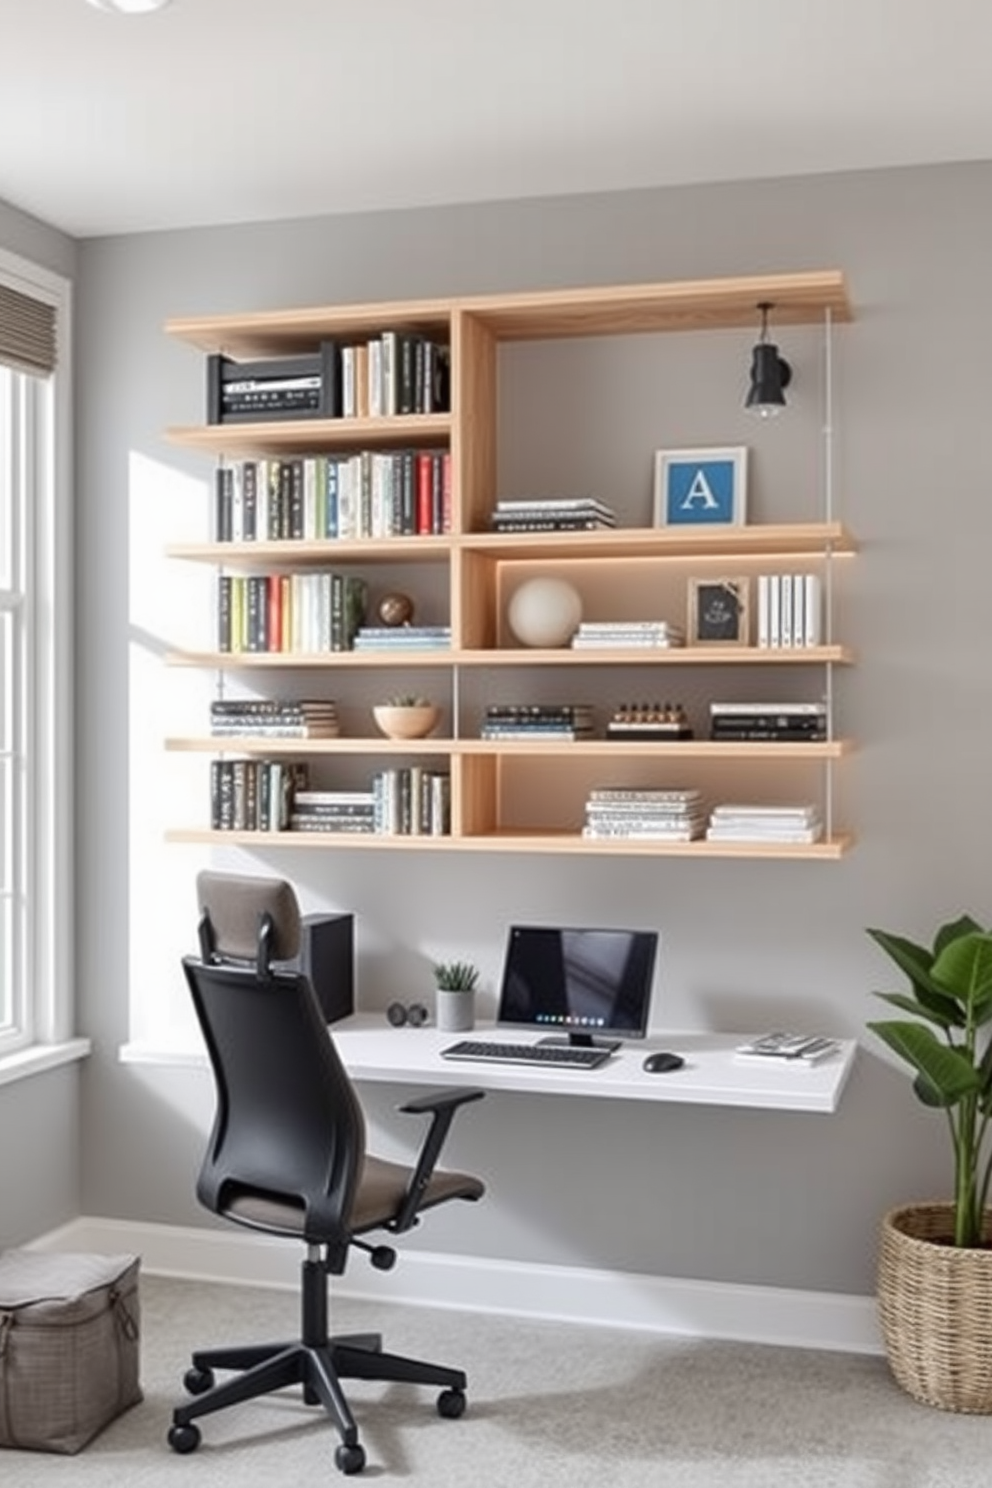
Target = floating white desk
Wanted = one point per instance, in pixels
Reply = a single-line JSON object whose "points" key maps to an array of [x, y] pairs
{"points": [[711, 1076]]}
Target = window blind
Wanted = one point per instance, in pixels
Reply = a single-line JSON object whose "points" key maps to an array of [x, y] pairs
{"points": [[27, 332]]}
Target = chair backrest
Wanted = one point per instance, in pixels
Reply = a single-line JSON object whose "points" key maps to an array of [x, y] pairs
{"points": [[288, 1125]]}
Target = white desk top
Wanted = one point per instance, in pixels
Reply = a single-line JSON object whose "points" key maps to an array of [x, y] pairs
{"points": [[711, 1076]]}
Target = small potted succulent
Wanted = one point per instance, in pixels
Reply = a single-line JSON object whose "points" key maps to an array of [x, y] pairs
{"points": [[406, 717], [454, 998]]}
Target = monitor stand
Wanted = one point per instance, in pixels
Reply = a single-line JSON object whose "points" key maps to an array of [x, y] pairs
{"points": [[580, 1041]]}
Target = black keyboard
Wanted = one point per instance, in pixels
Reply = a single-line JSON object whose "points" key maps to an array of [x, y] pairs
{"points": [[565, 1056]]}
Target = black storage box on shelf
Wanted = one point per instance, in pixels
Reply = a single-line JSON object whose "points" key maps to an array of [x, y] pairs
{"points": [[327, 959], [69, 1347], [297, 387]]}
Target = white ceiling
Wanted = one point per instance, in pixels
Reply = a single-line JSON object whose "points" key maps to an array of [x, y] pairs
{"points": [[219, 111]]}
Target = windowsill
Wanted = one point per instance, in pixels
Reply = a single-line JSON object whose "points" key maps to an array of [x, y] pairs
{"points": [[41, 1057], [166, 1056]]}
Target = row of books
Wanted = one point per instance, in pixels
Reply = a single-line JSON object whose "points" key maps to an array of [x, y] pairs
{"points": [[542, 721], [270, 718], [254, 795], [762, 823], [371, 493], [775, 722], [552, 514], [299, 612], [598, 635], [648, 814], [790, 610], [397, 372]]}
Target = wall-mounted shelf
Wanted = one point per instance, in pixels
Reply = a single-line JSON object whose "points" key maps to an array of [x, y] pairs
{"points": [[499, 788]]}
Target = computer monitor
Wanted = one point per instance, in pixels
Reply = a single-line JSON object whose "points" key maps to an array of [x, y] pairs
{"points": [[580, 986]]}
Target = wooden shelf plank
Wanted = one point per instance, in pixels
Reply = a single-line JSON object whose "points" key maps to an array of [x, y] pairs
{"points": [[622, 309], [701, 749], [760, 540], [297, 553], [309, 436], [565, 842], [636, 656]]}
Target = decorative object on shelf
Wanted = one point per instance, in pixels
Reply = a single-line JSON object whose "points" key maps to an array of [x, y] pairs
{"points": [[718, 612], [633, 722], [395, 609], [544, 612], [406, 717], [770, 374], [700, 487], [454, 998], [403, 1014], [935, 1260]]}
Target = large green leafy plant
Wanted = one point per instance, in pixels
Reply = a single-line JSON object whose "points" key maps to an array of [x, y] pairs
{"points": [[950, 1049]]}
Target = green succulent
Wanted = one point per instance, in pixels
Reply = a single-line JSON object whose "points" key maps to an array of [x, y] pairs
{"points": [[455, 976], [950, 1049]]}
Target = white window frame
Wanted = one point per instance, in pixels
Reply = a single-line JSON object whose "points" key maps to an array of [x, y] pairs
{"points": [[40, 1033]]}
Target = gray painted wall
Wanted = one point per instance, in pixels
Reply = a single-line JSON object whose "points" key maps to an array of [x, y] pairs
{"points": [[695, 1193], [39, 1141]]}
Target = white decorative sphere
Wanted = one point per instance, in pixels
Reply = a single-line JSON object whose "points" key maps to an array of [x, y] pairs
{"points": [[544, 612]]}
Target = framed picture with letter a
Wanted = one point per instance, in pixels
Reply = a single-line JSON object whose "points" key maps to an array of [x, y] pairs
{"points": [[700, 487]]}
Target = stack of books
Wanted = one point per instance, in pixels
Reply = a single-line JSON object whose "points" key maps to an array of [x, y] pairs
{"points": [[757, 823], [350, 811], [775, 722], [271, 718], [402, 638], [649, 814], [599, 634], [538, 721], [567, 514]]}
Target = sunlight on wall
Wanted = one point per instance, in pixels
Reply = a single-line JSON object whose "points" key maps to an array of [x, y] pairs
{"points": [[170, 608]]}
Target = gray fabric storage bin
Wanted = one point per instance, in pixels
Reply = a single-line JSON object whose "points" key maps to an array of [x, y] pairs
{"points": [[69, 1346]]}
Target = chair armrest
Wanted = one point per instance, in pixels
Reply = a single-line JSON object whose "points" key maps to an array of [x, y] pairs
{"points": [[441, 1105]]}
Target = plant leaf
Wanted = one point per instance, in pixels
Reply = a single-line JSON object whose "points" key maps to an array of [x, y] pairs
{"points": [[948, 1072], [964, 968], [911, 1005], [954, 930], [916, 961]]}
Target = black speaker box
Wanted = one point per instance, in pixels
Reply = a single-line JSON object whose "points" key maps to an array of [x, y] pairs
{"points": [[327, 958]]}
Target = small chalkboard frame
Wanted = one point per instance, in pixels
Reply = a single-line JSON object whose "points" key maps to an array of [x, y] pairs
{"points": [[719, 612]]}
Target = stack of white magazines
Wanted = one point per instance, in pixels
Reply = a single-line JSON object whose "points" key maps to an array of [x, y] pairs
{"points": [[796, 1048], [755, 823], [599, 634]]}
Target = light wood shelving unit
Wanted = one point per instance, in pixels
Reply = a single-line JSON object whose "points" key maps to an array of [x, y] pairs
{"points": [[476, 568]]}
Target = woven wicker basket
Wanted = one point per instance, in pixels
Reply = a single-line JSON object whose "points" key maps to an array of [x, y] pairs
{"points": [[935, 1308]]}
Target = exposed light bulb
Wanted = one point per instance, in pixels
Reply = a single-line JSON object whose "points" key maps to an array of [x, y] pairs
{"points": [[129, 7]]}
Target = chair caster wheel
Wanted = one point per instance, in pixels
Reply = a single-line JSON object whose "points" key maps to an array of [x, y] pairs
{"points": [[198, 1381], [184, 1439], [451, 1404], [350, 1459]]}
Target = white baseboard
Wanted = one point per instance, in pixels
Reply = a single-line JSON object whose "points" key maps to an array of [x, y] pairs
{"points": [[570, 1294]]}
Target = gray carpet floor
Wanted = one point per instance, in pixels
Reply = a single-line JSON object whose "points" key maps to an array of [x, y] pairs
{"points": [[549, 1404]]}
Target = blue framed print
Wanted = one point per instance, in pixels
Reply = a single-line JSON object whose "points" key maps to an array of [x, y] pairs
{"points": [[700, 487]]}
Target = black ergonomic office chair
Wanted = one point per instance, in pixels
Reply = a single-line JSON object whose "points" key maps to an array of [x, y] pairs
{"points": [[287, 1156]]}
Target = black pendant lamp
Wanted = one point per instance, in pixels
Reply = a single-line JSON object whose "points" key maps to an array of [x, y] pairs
{"points": [[770, 375]]}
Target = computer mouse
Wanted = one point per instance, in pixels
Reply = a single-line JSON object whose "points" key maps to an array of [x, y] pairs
{"points": [[662, 1062]]}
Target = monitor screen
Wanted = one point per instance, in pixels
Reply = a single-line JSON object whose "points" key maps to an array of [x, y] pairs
{"points": [[577, 982]]}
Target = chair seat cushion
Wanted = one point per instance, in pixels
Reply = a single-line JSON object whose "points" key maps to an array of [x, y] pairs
{"points": [[384, 1184], [379, 1198]]}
